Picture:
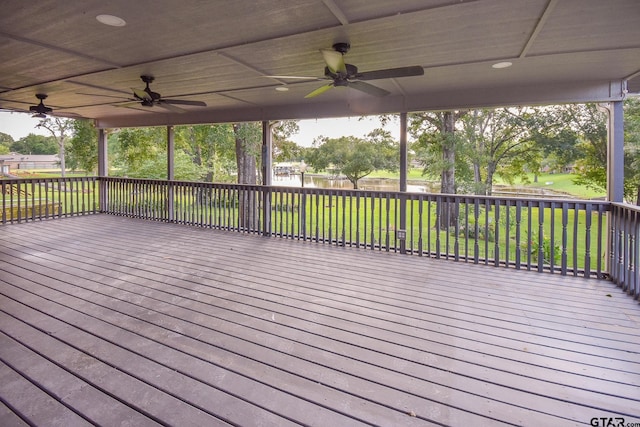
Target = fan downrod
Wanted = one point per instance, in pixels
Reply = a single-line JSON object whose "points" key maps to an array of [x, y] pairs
{"points": [[342, 47]]}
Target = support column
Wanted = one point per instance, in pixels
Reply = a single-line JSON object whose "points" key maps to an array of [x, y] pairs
{"points": [[170, 172], [401, 234], [170, 153], [103, 169], [615, 178], [266, 177], [615, 153], [403, 152]]}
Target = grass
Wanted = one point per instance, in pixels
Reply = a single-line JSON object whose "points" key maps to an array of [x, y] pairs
{"points": [[559, 183], [563, 183], [45, 173]]}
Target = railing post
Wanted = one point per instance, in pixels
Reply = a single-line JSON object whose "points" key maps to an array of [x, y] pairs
{"points": [[401, 234], [171, 176], [266, 178], [103, 168]]}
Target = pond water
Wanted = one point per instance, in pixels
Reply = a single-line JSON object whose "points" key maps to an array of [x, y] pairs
{"points": [[393, 184]]}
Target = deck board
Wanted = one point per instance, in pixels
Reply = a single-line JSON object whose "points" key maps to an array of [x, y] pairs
{"points": [[223, 327]]}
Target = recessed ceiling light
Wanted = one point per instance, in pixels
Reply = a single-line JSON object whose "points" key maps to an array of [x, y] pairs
{"points": [[505, 64], [282, 88], [111, 20]]}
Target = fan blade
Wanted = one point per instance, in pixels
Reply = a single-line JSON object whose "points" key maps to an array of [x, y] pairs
{"points": [[135, 105], [294, 77], [391, 73], [183, 102], [141, 94], [320, 90], [367, 88], [334, 61], [127, 104], [167, 106], [105, 96]]}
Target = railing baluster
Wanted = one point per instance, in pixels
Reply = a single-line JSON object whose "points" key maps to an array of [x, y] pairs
{"points": [[507, 233], [368, 219]]}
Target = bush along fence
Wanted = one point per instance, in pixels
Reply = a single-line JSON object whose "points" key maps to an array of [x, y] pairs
{"points": [[569, 237]]}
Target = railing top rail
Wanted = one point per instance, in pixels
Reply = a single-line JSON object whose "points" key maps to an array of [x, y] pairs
{"points": [[52, 179], [464, 198], [628, 206]]}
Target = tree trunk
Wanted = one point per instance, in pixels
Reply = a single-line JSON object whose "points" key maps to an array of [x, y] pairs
{"points": [[448, 185], [447, 211], [247, 203], [63, 167], [491, 170]]}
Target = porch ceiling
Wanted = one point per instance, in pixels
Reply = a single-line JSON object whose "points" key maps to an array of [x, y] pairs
{"points": [[221, 53]]}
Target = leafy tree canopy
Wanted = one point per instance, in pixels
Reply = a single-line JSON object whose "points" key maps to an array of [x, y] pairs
{"points": [[5, 142], [354, 157], [82, 152], [35, 144]]}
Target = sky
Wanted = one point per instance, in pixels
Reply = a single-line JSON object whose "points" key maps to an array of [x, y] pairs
{"points": [[19, 125]]}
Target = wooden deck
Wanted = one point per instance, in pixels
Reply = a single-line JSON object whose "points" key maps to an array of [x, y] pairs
{"points": [[118, 322]]}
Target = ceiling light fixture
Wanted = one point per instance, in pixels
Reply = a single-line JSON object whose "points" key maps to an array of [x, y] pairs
{"points": [[111, 20], [505, 64], [282, 88]]}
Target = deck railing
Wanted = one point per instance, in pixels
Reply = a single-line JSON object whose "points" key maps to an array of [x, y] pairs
{"points": [[558, 236], [34, 199], [569, 237], [624, 257]]}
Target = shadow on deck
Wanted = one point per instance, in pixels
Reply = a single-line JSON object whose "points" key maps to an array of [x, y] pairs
{"points": [[113, 321]]}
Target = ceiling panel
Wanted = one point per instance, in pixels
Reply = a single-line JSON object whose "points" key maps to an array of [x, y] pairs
{"points": [[222, 52], [588, 25]]}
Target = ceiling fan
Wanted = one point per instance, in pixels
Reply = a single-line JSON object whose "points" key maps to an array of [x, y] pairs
{"points": [[40, 111], [343, 74], [148, 98]]}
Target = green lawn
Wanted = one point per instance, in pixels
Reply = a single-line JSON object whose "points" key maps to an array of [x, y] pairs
{"points": [[562, 183]]}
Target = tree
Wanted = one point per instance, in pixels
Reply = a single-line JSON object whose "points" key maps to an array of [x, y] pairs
{"points": [[6, 141], [211, 148], [438, 149], [83, 146], [248, 140], [60, 129], [591, 123], [135, 146], [283, 149], [156, 167], [35, 144], [632, 148], [499, 142], [437, 145], [354, 157]]}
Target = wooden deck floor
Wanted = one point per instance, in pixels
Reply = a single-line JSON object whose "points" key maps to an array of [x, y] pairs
{"points": [[112, 321]]}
